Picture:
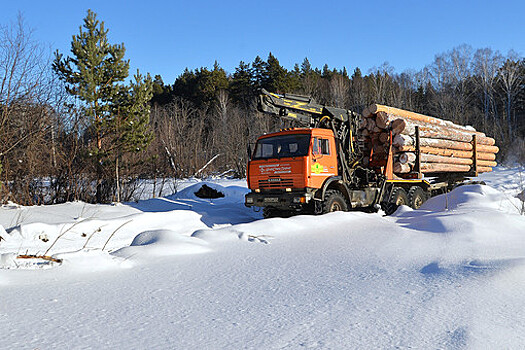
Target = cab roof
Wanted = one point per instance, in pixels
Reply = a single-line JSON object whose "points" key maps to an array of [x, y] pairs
{"points": [[291, 131]]}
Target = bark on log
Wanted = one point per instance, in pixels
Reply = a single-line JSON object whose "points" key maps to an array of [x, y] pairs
{"points": [[398, 126], [375, 108], [429, 168], [371, 123], [448, 152], [433, 131], [401, 168], [366, 113], [409, 158], [383, 137], [445, 168], [444, 146], [383, 119], [405, 140]]}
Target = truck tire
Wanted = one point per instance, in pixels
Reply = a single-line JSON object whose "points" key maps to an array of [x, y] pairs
{"points": [[398, 197], [334, 201], [416, 197]]}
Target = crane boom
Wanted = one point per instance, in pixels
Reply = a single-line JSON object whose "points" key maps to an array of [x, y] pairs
{"points": [[302, 109], [306, 112]]}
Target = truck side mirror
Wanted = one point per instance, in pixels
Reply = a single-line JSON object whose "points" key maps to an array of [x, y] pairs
{"points": [[249, 150]]}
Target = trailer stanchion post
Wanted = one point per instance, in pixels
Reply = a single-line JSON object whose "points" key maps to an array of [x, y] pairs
{"points": [[475, 154], [417, 167], [389, 167]]}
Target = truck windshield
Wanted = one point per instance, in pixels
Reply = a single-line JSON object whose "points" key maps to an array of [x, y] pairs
{"points": [[282, 146]]}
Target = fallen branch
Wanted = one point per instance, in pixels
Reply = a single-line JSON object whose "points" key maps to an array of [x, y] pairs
{"points": [[62, 234], [118, 228], [206, 165], [43, 257]]}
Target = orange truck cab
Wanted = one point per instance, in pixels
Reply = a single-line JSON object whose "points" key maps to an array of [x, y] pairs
{"points": [[288, 167]]}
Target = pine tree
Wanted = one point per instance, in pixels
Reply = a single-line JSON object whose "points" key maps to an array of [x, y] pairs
{"points": [[162, 93], [258, 72], [309, 79], [276, 77], [131, 121], [241, 86], [95, 74]]}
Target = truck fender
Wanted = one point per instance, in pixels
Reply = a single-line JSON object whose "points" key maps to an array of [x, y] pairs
{"points": [[335, 183]]}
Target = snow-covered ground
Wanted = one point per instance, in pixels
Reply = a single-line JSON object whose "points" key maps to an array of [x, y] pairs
{"points": [[186, 273]]}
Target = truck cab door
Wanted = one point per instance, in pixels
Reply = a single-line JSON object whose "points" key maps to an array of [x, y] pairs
{"points": [[323, 161]]}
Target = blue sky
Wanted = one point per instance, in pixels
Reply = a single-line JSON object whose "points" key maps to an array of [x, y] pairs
{"points": [[164, 37]]}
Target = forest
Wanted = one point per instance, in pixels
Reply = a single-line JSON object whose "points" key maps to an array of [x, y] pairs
{"points": [[74, 126]]}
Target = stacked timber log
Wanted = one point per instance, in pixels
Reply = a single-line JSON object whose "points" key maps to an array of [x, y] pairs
{"points": [[444, 146]]}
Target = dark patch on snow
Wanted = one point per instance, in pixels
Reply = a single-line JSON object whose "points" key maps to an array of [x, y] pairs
{"points": [[432, 269], [457, 339], [207, 192]]}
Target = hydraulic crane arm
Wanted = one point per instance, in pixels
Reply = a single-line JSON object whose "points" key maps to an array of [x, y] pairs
{"points": [[302, 109], [305, 111]]}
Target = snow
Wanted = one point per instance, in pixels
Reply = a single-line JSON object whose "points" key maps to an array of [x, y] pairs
{"points": [[184, 272]]}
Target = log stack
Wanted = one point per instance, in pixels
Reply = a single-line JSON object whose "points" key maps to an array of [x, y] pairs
{"points": [[444, 146]]}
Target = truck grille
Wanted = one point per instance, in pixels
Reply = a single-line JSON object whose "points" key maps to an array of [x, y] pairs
{"points": [[272, 183]]}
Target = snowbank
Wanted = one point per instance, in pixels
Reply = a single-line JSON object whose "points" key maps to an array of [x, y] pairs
{"points": [[211, 274]]}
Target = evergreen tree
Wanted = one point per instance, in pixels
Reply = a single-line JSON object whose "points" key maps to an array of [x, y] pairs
{"points": [[185, 85], [275, 77], [162, 93], [132, 113], [95, 74], [241, 86], [202, 85], [294, 79], [306, 67], [327, 73], [131, 121], [309, 79], [258, 72]]}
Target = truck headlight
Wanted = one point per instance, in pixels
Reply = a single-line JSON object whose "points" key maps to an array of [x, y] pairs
{"points": [[249, 200]]}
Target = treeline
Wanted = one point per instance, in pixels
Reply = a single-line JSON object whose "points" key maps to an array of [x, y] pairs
{"points": [[479, 87], [61, 141]]}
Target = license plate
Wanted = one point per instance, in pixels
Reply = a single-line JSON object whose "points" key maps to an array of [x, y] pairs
{"points": [[271, 200]]}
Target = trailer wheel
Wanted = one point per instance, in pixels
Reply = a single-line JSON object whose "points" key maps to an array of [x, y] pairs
{"points": [[416, 197], [334, 201], [398, 197]]}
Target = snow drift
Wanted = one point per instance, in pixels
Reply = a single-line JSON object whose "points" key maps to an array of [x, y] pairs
{"points": [[184, 272]]}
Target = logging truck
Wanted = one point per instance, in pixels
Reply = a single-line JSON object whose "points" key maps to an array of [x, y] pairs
{"points": [[339, 160]]}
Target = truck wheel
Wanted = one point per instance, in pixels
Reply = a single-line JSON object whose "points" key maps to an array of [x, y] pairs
{"points": [[416, 197], [398, 197], [334, 201]]}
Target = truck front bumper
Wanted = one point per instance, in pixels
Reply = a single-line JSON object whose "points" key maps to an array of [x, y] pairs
{"points": [[282, 200]]}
